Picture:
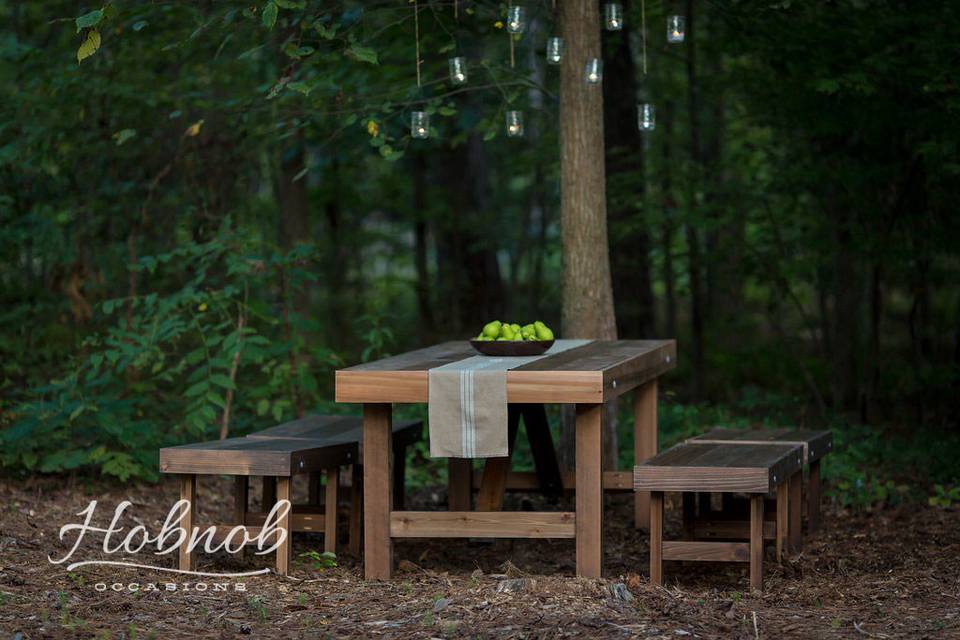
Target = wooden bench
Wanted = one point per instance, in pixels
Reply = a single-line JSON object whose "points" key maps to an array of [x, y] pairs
{"points": [[815, 444], [690, 468], [315, 445]]}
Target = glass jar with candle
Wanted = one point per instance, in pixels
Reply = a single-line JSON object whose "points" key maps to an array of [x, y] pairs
{"points": [[554, 50], [419, 124], [516, 19], [675, 25], [613, 16], [514, 124], [593, 73], [458, 70], [646, 117]]}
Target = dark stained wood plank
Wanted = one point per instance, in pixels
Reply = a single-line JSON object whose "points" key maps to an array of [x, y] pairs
{"points": [[718, 467], [245, 456], [813, 498], [459, 494], [421, 359], [796, 503], [377, 492], [783, 519], [816, 444]]}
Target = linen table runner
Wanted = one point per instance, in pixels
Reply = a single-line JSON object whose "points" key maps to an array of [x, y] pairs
{"points": [[468, 404]]}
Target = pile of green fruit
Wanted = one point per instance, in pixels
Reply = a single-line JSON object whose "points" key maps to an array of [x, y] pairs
{"points": [[497, 330]]}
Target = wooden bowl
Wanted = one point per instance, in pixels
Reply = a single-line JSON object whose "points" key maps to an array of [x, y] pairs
{"points": [[510, 348]]}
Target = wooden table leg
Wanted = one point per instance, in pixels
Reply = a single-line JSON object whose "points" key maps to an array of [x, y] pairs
{"points": [[545, 462], [782, 519], [377, 491], [330, 510], [493, 483], [459, 490], [656, 537], [796, 538], [283, 551], [269, 493], [356, 509], [813, 497], [188, 491], [241, 498], [756, 541], [644, 443], [589, 495]]}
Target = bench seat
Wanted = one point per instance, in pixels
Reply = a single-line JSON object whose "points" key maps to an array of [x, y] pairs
{"points": [[315, 445], [693, 467]]}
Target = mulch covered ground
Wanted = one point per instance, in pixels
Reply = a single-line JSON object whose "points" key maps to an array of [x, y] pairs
{"points": [[892, 573]]}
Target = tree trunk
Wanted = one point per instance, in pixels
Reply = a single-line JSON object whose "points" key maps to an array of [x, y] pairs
{"points": [[629, 241], [667, 230], [587, 310], [693, 237]]}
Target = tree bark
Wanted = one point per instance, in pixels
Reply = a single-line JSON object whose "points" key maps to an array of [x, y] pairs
{"points": [[667, 229], [424, 309], [587, 309]]}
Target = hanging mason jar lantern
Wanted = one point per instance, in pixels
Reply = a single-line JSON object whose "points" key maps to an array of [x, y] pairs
{"points": [[593, 73], [514, 124], [516, 19], [419, 124], [458, 70], [646, 117], [675, 26], [554, 50], [613, 16]]}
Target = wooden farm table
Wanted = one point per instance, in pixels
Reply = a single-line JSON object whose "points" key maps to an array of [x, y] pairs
{"points": [[586, 376]]}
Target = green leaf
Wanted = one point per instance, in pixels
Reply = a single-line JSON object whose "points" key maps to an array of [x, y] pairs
{"points": [[197, 389], [327, 33], [269, 16], [122, 136], [291, 4], [215, 398], [263, 406], [91, 19], [222, 381], [363, 54], [89, 46], [139, 24], [300, 87]]}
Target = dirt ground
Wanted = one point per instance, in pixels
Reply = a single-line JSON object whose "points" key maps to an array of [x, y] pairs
{"points": [[889, 574]]}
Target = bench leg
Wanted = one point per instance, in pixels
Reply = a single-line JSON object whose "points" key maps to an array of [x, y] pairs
{"points": [[756, 541], [241, 497], [656, 537], [796, 539], [644, 444], [399, 476], [782, 519], [188, 491], [283, 551], [813, 498], [459, 487], [330, 510], [315, 486], [269, 493], [689, 514], [356, 509]]}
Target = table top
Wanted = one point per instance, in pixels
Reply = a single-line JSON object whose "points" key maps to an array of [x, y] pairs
{"points": [[589, 374]]}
